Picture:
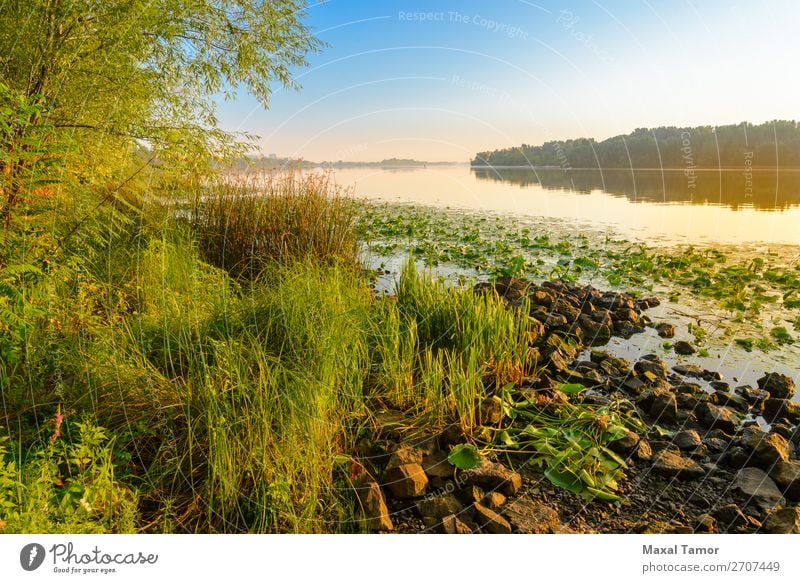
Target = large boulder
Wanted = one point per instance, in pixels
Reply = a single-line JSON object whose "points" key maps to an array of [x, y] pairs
{"points": [[777, 385], [755, 486], [786, 475], [783, 521], [775, 409], [716, 417]]}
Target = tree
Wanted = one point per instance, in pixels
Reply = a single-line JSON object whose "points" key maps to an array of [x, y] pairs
{"points": [[116, 74]]}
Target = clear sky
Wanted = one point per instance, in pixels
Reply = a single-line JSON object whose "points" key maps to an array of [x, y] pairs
{"points": [[444, 79]]}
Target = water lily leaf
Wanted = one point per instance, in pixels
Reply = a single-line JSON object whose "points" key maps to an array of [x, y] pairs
{"points": [[571, 388], [564, 479], [465, 456]]}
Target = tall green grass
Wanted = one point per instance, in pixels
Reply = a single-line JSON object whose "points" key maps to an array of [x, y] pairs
{"points": [[245, 222], [227, 405]]}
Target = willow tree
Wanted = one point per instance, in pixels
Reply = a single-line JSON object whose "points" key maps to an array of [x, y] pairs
{"points": [[114, 76]]}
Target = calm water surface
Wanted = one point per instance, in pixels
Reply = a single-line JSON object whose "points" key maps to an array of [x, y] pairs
{"points": [[660, 206]]}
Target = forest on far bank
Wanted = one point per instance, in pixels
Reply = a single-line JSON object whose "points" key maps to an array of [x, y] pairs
{"points": [[771, 144]]}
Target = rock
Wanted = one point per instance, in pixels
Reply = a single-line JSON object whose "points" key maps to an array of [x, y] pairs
{"points": [[664, 408], [494, 500], [770, 450], [689, 370], [625, 445], [653, 365], [688, 439], [665, 330], [783, 430], [752, 395], [511, 288], [454, 525], [493, 476], [730, 400], [731, 517], [406, 481], [489, 521], [716, 417], [706, 523], [529, 517], [755, 486], [736, 457], [491, 412], [439, 506], [595, 332], [437, 466], [670, 465], [716, 444], [471, 494], [647, 303], [372, 504], [404, 455], [777, 385], [633, 384], [783, 521], [786, 475], [775, 409], [643, 451], [683, 348]]}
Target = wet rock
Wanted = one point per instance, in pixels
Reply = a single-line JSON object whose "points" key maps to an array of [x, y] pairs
{"points": [[775, 409], [688, 439], [783, 430], [555, 343], [689, 370], [752, 395], [755, 486], [633, 384], [786, 475], [511, 288], [716, 417], [439, 506], [706, 523], [454, 525], [653, 365], [490, 521], [731, 400], [494, 500], [647, 303], [683, 348], [406, 481], [783, 521], [542, 296], [404, 455], [777, 385], [670, 465], [493, 476], [732, 518], [437, 466], [529, 517], [491, 412], [665, 330], [594, 332], [664, 408]]}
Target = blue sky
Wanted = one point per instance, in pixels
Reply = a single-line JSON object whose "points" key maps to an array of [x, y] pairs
{"points": [[443, 79]]}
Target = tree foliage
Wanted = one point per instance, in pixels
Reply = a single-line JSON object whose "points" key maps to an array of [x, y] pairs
{"points": [[116, 74]]}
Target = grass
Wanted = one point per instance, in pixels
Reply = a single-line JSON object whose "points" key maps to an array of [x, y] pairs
{"points": [[218, 371]]}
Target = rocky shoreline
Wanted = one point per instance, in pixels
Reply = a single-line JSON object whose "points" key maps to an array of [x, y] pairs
{"points": [[708, 457]]}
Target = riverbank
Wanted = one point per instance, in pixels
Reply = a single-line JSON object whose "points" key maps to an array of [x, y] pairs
{"points": [[245, 373]]}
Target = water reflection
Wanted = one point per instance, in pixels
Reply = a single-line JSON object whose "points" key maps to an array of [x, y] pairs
{"points": [[760, 189]]}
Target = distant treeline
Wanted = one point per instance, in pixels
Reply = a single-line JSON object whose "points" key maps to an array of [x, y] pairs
{"points": [[774, 143], [271, 162]]}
